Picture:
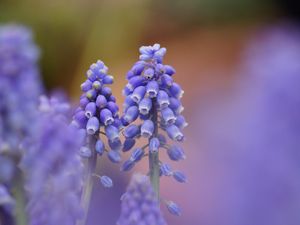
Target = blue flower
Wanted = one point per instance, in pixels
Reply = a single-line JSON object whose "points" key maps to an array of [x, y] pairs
{"points": [[173, 208], [106, 181], [20, 85], [139, 203], [153, 98], [98, 112], [53, 168]]}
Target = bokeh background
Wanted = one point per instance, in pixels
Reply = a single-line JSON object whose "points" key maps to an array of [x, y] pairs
{"points": [[208, 43]]}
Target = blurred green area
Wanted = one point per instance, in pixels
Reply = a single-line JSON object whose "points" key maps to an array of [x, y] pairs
{"points": [[74, 33]]}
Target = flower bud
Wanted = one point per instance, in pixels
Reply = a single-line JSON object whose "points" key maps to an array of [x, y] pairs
{"points": [[169, 70], [128, 144], [145, 106], [86, 86], [85, 152], [114, 156], [147, 128], [106, 117], [81, 119], [166, 80], [163, 99], [168, 115], [127, 165], [148, 73], [173, 208], [152, 89], [180, 122], [138, 94], [113, 107], [84, 101], [132, 131], [106, 91], [175, 153], [106, 181], [179, 176], [115, 145], [97, 85], [101, 101], [108, 79], [165, 169], [100, 148], [137, 155], [176, 91], [131, 114], [154, 145], [92, 125], [90, 110], [91, 94], [112, 133], [135, 82], [174, 133]]}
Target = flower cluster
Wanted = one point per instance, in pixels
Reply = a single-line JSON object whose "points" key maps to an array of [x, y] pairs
{"points": [[139, 204], [53, 168], [153, 96], [260, 148], [98, 109], [20, 85]]}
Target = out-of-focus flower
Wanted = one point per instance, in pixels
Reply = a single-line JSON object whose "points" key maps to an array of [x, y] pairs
{"points": [[154, 98], [20, 85], [6, 206], [254, 139], [53, 168], [139, 204]]}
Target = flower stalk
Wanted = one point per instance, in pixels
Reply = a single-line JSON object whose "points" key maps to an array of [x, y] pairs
{"points": [[154, 156], [89, 181]]}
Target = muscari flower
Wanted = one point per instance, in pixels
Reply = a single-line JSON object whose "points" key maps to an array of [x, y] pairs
{"points": [[98, 114], [20, 85], [139, 204], [53, 168], [154, 98], [256, 130]]}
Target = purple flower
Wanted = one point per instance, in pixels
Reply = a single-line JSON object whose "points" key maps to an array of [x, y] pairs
{"points": [[154, 144], [252, 136], [20, 85], [127, 165], [139, 203], [98, 112], [137, 155], [179, 176], [128, 144], [106, 181], [153, 99], [53, 169], [175, 153], [173, 208], [165, 169]]}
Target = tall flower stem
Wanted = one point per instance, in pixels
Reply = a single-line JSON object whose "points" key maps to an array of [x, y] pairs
{"points": [[154, 156], [88, 184]]}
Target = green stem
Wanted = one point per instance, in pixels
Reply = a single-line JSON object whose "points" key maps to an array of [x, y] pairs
{"points": [[20, 198], [89, 181], [154, 156]]}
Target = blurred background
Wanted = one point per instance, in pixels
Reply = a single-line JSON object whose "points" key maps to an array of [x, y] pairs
{"points": [[215, 46]]}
